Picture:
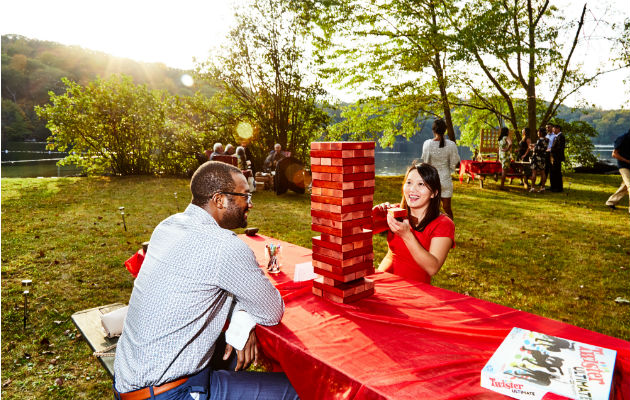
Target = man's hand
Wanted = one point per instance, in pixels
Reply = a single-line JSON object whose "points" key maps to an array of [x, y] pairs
{"points": [[244, 357]]}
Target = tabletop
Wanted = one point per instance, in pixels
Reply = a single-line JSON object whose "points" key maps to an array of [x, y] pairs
{"points": [[409, 340]]}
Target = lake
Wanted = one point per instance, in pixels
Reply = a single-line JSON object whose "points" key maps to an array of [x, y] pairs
{"points": [[31, 159]]}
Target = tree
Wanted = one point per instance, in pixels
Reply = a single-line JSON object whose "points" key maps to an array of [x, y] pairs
{"points": [[520, 50], [399, 49], [261, 72], [115, 126]]}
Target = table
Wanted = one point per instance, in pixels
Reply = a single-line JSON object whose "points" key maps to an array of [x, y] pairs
{"points": [[409, 341], [481, 169]]}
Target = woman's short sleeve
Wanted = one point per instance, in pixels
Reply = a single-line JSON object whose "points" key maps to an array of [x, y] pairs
{"points": [[444, 227]]}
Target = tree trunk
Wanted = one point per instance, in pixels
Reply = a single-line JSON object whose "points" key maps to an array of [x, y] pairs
{"points": [[531, 82]]}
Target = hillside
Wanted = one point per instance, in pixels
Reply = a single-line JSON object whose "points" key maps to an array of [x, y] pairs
{"points": [[31, 68]]}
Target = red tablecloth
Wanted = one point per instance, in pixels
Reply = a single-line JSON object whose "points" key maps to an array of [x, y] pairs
{"points": [[408, 341], [478, 167]]}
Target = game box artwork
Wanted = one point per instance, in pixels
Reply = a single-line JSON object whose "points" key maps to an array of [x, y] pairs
{"points": [[530, 365]]}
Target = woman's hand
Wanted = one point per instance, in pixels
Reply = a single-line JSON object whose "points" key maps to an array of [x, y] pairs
{"points": [[402, 229], [381, 208]]}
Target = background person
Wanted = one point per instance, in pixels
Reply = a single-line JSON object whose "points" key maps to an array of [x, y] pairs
{"points": [[557, 158], [418, 246], [505, 153], [539, 160], [229, 150], [442, 154], [550, 138], [217, 150], [524, 155], [622, 154], [274, 156], [196, 275]]}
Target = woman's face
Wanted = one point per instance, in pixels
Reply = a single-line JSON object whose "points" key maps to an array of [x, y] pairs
{"points": [[416, 193]]}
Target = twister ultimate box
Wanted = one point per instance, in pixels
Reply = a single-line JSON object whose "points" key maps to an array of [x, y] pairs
{"points": [[532, 365]]}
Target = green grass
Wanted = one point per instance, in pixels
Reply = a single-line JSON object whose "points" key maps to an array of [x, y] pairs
{"points": [[563, 256]]}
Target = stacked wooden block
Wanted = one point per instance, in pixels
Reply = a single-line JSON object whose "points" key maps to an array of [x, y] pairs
{"points": [[341, 210]]}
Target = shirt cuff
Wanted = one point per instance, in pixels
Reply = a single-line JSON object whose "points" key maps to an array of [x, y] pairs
{"points": [[238, 331]]}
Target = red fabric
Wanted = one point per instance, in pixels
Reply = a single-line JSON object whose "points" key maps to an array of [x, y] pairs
{"points": [[478, 167], [400, 257], [134, 263], [409, 340]]}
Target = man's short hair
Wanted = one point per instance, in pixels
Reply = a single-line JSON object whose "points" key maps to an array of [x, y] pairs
{"points": [[212, 177], [277, 145], [217, 147]]}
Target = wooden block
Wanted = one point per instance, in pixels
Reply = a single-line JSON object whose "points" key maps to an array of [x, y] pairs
{"points": [[341, 217], [366, 234], [342, 289], [342, 264], [343, 277], [316, 145], [316, 161], [317, 241], [342, 201], [352, 161], [317, 292], [341, 224], [329, 154], [345, 300], [397, 212], [337, 232], [340, 254], [326, 161]]}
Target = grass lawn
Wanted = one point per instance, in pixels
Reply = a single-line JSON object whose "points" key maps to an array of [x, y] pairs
{"points": [[564, 256]]}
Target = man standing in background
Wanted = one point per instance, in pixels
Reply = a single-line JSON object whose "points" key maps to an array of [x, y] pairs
{"points": [[622, 154], [557, 157]]}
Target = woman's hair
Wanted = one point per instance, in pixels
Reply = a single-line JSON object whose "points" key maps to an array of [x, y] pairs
{"points": [[431, 178], [525, 134], [542, 131], [504, 132], [240, 151], [439, 127]]}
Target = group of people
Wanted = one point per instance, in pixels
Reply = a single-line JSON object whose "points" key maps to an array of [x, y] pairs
{"points": [[198, 275], [240, 152], [543, 159]]}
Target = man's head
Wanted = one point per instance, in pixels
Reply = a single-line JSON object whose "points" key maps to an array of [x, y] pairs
{"points": [[549, 128], [218, 148], [222, 190], [556, 129], [277, 147], [229, 149]]}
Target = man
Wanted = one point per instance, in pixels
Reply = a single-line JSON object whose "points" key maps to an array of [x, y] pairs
{"points": [[622, 154], [550, 136], [557, 157], [217, 150], [196, 275], [274, 156]]}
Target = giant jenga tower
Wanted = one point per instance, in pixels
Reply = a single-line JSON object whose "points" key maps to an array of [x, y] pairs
{"points": [[341, 208]]}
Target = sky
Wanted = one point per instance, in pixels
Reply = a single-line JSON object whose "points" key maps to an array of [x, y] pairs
{"points": [[173, 32]]}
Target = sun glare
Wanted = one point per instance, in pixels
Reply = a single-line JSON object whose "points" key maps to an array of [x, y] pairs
{"points": [[187, 80]]}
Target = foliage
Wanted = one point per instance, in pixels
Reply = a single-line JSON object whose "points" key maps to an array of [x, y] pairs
{"points": [[520, 52], [31, 68], [262, 74], [397, 51], [15, 124], [67, 236], [115, 126], [579, 148]]}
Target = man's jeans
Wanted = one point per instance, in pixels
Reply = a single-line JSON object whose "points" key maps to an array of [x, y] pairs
{"points": [[219, 381]]}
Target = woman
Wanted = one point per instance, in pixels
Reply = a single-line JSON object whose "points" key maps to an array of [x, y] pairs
{"points": [[442, 154], [242, 158], [539, 160], [524, 155], [418, 245], [505, 153]]}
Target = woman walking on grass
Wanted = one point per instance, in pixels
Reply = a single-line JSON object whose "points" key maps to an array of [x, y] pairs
{"points": [[505, 153], [442, 154]]}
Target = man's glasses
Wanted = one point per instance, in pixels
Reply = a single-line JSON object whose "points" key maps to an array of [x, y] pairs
{"points": [[247, 195]]}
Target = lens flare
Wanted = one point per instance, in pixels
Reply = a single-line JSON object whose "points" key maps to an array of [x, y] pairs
{"points": [[244, 130], [187, 80]]}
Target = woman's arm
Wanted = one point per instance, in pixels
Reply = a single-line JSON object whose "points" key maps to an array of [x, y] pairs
{"points": [[430, 261], [386, 265]]}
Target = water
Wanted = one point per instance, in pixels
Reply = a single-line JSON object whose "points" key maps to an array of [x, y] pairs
{"points": [[31, 159]]}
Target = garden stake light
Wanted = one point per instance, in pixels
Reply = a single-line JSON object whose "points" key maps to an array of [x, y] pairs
{"points": [[122, 214], [26, 283], [176, 205]]}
